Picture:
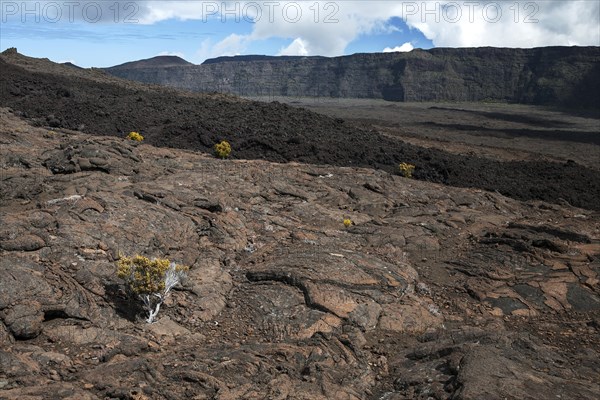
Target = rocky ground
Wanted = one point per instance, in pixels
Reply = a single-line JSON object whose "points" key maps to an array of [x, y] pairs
{"points": [[496, 131], [91, 101], [434, 292]]}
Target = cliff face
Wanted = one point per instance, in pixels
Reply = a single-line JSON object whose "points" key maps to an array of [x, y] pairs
{"points": [[551, 75]]}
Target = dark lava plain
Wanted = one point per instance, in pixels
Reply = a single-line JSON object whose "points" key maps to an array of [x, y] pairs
{"points": [[63, 97]]}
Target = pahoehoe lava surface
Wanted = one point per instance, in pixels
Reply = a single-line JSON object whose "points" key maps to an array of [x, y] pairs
{"points": [[66, 98], [434, 292]]}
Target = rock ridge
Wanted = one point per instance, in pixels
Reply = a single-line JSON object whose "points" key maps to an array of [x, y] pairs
{"points": [[565, 76]]}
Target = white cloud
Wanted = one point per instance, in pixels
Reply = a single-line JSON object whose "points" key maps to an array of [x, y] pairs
{"points": [[170, 53], [509, 23], [150, 12], [232, 45], [328, 28], [296, 48], [316, 35], [406, 47]]}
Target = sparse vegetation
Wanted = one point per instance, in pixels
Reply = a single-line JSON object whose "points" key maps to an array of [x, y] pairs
{"points": [[135, 136], [223, 149], [348, 222], [150, 279], [406, 169]]}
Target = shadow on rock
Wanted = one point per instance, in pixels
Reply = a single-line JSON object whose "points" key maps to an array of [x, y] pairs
{"points": [[126, 307]]}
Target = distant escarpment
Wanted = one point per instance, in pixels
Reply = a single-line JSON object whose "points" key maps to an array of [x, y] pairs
{"points": [[565, 76]]}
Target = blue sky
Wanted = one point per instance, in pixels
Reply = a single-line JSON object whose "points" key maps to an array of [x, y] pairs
{"points": [[104, 33]]}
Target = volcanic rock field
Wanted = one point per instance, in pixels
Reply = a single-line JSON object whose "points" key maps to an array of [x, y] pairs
{"points": [[476, 279]]}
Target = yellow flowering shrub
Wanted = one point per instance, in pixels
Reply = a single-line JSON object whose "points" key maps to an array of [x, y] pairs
{"points": [[150, 279], [348, 222], [135, 136], [223, 149], [144, 276], [406, 169]]}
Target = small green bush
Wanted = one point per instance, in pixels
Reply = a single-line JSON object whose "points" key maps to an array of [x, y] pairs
{"points": [[150, 279], [406, 169], [223, 149], [135, 136]]}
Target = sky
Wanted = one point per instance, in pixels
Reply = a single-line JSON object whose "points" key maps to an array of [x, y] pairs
{"points": [[104, 33]]}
